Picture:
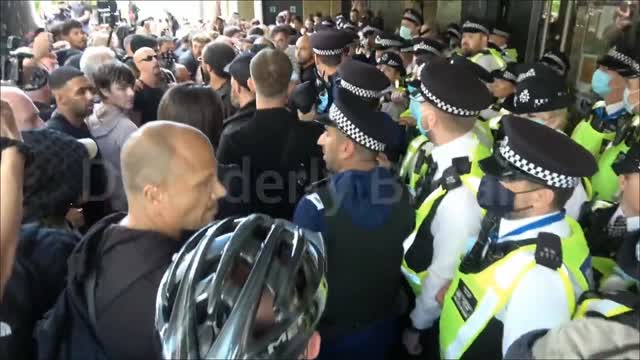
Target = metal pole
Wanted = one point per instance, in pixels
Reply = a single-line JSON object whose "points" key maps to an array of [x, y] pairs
{"points": [[545, 29], [567, 21]]}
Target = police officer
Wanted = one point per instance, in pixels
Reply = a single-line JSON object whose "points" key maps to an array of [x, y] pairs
{"points": [[410, 24], [499, 41], [366, 51], [413, 166], [448, 213], [407, 54], [531, 248], [453, 37], [475, 46], [390, 64], [557, 60], [388, 42], [362, 212], [328, 49], [596, 132], [607, 225], [372, 86], [503, 87], [627, 130], [542, 96]]}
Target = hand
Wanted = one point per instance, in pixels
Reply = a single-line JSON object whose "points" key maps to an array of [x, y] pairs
{"points": [[411, 341], [75, 217], [407, 121], [442, 292], [8, 126], [397, 97]]}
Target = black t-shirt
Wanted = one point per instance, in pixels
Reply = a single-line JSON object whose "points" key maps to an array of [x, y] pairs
{"points": [[146, 102]]}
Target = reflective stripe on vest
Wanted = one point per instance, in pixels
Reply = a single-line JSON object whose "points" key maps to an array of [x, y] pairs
{"points": [[603, 265], [493, 288], [409, 161], [502, 64], [605, 307], [605, 181]]}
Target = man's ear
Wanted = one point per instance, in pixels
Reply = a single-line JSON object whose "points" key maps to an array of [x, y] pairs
{"points": [[622, 179], [545, 196], [251, 85], [485, 41], [152, 194], [347, 147]]}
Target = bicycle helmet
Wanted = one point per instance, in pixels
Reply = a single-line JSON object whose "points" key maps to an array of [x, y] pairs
{"points": [[209, 297]]}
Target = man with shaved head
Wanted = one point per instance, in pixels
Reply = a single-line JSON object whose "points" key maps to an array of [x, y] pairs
{"points": [[147, 100], [26, 113], [304, 57], [170, 178]]}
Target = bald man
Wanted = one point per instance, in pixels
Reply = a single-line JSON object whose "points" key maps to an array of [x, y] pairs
{"points": [[304, 57], [170, 178], [147, 99], [181, 73], [25, 111]]}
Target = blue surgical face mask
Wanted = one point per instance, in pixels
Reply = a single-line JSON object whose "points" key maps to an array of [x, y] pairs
{"points": [[324, 102], [631, 107], [405, 33], [600, 83], [415, 107]]}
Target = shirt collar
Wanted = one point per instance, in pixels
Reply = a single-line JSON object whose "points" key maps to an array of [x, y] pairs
{"points": [[614, 108], [560, 228], [460, 147], [633, 223], [104, 118]]}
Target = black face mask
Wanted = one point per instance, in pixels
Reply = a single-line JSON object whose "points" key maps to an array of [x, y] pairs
{"points": [[497, 199]]}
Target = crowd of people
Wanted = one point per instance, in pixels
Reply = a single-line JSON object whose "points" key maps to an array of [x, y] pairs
{"points": [[316, 189]]}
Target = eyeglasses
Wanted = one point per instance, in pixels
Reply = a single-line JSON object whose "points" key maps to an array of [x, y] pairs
{"points": [[149, 58]]}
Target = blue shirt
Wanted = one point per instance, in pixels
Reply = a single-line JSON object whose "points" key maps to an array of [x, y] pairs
{"points": [[367, 196]]}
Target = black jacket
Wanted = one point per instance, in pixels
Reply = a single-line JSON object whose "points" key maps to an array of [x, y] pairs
{"points": [[122, 269], [239, 119], [37, 278], [278, 156], [96, 209]]}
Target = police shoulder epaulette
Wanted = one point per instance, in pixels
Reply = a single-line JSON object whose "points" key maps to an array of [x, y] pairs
{"points": [[549, 250]]}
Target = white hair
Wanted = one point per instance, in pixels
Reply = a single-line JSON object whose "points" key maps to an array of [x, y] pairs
{"points": [[93, 58]]}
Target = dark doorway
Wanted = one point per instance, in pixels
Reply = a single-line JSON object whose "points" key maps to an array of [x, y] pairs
{"points": [[271, 9]]}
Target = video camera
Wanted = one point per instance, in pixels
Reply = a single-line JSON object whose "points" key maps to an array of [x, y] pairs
{"points": [[13, 73]]}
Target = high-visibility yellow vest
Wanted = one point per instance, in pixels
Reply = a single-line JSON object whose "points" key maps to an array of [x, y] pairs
{"points": [[473, 299], [589, 138], [605, 181], [427, 211]]}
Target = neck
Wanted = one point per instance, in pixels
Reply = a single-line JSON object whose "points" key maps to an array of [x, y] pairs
{"points": [[216, 82], [359, 165], [150, 79], [444, 138], [138, 220], [71, 117], [245, 99], [627, 210], [615, 96], [263, 103], [530, 213], [329, 71]]}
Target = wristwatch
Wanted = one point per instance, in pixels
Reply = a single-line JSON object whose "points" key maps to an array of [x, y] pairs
{"points": [[23, 148]]}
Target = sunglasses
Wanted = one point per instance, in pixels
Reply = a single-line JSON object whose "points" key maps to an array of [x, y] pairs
{"points": [[149, 58]]}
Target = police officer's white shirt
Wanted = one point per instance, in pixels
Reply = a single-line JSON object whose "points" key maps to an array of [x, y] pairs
{"points": [[575, 202], [457, 219], [633, 222], [538, 300], [613, 108]]}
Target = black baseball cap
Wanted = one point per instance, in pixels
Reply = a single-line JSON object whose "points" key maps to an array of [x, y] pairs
{"points": [[239, 68]]}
